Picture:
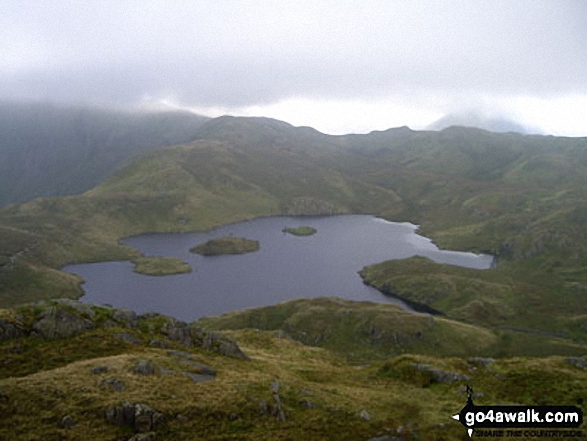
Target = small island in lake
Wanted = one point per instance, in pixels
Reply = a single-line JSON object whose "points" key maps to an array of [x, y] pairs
{"points": [[160, 266], [300, 231], [226, 245]]}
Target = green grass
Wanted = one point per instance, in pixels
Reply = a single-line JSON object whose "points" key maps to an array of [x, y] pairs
{"points": [[362, 332], [160, 266], [300, 231], [520, 198], [321, 394], [226, 245]]}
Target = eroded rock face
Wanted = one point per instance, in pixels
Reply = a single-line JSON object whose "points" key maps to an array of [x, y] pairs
{"points": [[178, 331], [56, 323], [66, 318], [9, 330], [220, 343], [579, 362], [82, 308], [141, 417], [125, 317], [190, 336], [440, 376], [144, 367]]}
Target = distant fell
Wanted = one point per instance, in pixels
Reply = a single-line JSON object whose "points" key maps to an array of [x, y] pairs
{"points": [[260, 132], [50, 150], [495, 124]]}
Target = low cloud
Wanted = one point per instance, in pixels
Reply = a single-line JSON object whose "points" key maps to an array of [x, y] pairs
{"points": [[258, 54]]}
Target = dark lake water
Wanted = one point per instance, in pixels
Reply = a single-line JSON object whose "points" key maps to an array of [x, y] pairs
{"points": [[285, 267]]}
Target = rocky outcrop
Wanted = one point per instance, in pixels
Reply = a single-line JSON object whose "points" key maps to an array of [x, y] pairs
{"points": [[113, 384], [141, 417], [56, 322], [10, 330], [63, 318], [144, 367], [194, 336], [79, 307], [579, 362], [128, 338], [125, 317], [217, 342], [440, 376]]}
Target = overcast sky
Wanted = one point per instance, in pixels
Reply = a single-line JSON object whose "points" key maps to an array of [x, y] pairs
{"points": [[339, 66]]}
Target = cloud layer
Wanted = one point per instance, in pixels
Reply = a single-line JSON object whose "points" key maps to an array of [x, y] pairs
{"points": [[257, 54]]}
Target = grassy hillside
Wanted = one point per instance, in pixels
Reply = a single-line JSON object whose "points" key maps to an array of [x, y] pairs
{"points": [[84, 369], [320, 368], [518, 197], [48, 150], [364, 331]]}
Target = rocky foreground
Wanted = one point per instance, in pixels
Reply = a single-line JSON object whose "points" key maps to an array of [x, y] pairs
{"points": [[70, 370]]}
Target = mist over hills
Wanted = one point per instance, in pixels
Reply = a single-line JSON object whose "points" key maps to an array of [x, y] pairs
{"points": [[49, 150], [493, 123]]}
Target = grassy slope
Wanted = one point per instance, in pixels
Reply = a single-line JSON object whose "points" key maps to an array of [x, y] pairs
{"points": [[49, 150], [322, 396], [363, 331], [519, 197], [226, 245]]}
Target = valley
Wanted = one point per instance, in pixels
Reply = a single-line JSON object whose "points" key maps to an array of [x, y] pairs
{"points": [[517, 197]]}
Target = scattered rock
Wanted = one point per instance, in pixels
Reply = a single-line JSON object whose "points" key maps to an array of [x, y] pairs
{"points": [[190, 336], [305, 391], [139, 416], [116, 416], [181, 354], [199, 367], [263, 407], [277, 410], [198, 378], [220, 343], [56, 323], [113, 383], [233, 417], [159, 344], [365, 415], [128, 338], [125, 317], [480, 362], [99, 370], [178, 331], [440, 376], [9, 330], [307, 404], [82, 308], [164, 371], [144, 416], [144, 367], [67, 422], [579, 362], [181, 418], [385, 438]]}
